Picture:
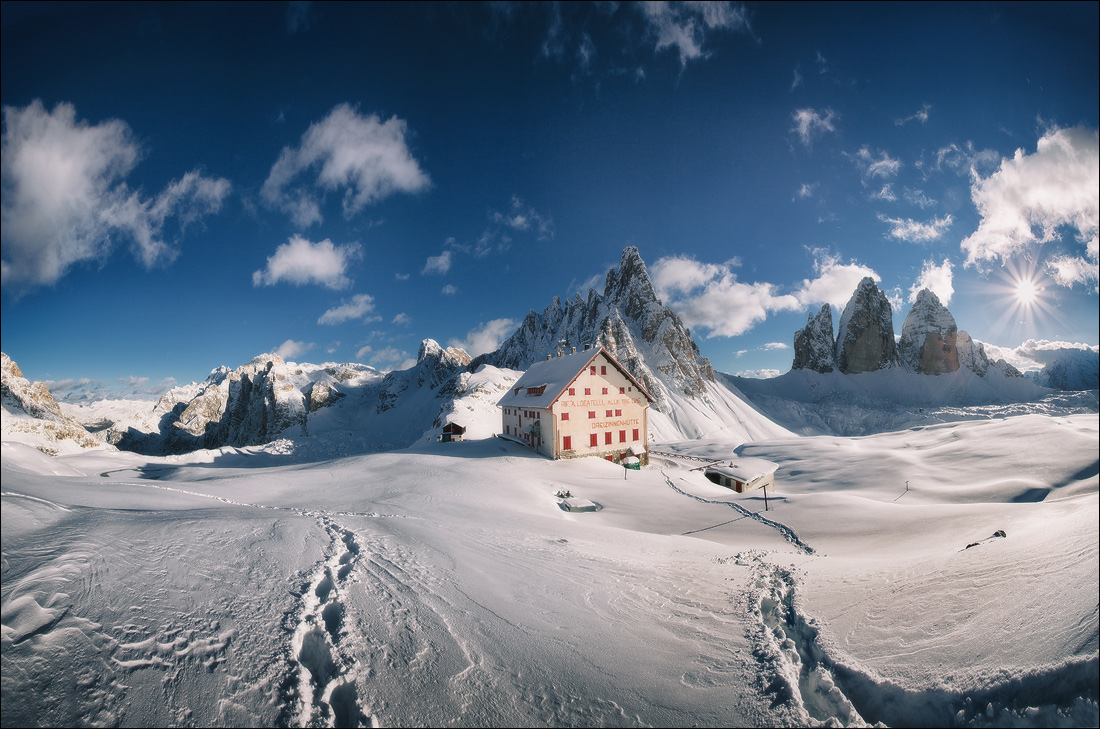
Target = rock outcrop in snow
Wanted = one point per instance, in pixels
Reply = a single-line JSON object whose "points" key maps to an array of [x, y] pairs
{"points": [[928, 343], [865, 338], [31, 414], [815, 346]]}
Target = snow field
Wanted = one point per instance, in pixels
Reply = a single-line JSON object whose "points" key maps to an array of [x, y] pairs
{"points": [[444, 585]]}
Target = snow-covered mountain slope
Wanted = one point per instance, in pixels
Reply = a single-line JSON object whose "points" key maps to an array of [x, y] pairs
{"points": [[32, 416], [812, 403], [651, 341], [1070, 369]]}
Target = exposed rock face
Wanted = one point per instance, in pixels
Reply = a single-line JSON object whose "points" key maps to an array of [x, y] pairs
{"points": [[1072, 369], [250, 405], [435, 367], [628, 320], [41, 415], [814, 346], [928, 342], [865, 340]]}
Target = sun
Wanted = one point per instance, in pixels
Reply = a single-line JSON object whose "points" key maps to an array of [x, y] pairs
{"points": [[1027, 292]]}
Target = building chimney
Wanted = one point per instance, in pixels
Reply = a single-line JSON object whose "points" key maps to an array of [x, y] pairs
{"points": [[549, 356], [574, 350], [587, 347]]}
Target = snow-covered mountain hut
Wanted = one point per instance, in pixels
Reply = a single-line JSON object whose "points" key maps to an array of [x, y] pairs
{"points": [[744, 474], [579, 404]]}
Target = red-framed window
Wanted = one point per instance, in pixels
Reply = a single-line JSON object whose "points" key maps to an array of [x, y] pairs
{"points": [[605, 391], [618, 412], [622, 390], [592, 370], [635, 434], [622, 436], [588, 391], [593, 440], [591, 414], [567, 442], [629, 389], [572, 391], [565, 416], [607, 414], [603, 369], [607, 437]]}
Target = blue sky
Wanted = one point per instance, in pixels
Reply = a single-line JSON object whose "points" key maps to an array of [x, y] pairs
{"points": [[190, 185]]}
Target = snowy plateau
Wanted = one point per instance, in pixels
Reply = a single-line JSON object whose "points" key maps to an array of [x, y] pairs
{"points": [[288, 544]]}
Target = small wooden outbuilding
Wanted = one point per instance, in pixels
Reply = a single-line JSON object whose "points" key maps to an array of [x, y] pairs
{"points": [[452, 432], [743, 474]]}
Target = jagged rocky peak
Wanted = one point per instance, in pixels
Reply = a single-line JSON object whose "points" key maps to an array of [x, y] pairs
{"points": [[865, 339], [36, 401], [628, 320], [450, 357], [929, 336], [814, 346]]}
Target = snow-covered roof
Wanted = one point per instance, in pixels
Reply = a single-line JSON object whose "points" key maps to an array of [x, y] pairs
{"points": [[545, 381], [745, 470]]}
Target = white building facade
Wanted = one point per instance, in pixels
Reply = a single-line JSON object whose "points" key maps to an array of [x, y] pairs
{"points": [[579, 404]]}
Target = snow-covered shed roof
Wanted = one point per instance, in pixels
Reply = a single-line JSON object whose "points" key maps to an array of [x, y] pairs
{"points": [[745, 470], [544, 382]]}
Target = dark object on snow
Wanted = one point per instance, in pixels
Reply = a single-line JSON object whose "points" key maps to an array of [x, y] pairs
{"points": [[998, 533]]}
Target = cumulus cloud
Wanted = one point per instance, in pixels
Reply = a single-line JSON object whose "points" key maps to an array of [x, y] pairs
{"points": [[685, 26], [402, 319], [485, 337], [760, 374], [449, 290], [367, 158], [361, 306], [914, 231], [834, 282], [709, 295], [937, 279], [300, 262], [65, 197], [810, 122], [1032, 198], [291, 349], [1033, 354], [438, 264], [772, 346]]}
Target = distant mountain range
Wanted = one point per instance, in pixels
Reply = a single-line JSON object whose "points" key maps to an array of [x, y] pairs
{"points": [[354, 408]]}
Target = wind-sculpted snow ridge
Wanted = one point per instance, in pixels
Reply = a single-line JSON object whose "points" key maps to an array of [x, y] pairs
{"points": [[797, 671]]}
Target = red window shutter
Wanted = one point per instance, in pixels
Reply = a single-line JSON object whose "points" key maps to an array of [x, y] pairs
{"points": [[607, 437], [572, 391], [593, 370], [605, 391], [593, 440], [591, 414], [565, 416], [603, 369], [622, 436], [567, 442], [635, 434], [622, 390], [588, 391], [618, 412]]}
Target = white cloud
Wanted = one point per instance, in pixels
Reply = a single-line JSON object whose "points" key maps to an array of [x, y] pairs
{"points": [[402, 319], [761, 374], [449, 290], [291, 349], [806, 190], [1030, 197], [519, 218], [65, 197], [797, 80], [1034, 353], [876, 164], [710, 296], [920, 115], [937, 279], [401, 276], [361, 306], [918, 198], [771, 346], [886, 193], [365, 157], [808, 122], [684, 26], [834, 283], [486, 337], [300, 262], [913, 231], [438, 264], [387, 358]]}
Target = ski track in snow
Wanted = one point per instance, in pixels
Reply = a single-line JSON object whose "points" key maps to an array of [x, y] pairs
{"points": [[785, 531], [797, 672]]}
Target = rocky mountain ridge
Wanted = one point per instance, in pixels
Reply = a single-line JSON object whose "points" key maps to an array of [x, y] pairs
{"points": [[30, 413], [930, 344]]}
